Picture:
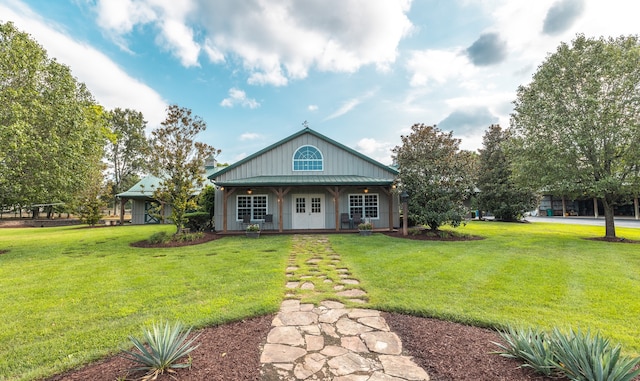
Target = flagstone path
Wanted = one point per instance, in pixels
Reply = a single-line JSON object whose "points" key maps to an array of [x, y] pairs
{"points": [[321, 333]]}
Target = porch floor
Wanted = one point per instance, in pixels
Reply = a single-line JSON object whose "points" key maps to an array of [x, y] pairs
{"points": [[304, 231]]}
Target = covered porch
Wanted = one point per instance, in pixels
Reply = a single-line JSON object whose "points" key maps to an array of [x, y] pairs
{"points": [[305, 203]]}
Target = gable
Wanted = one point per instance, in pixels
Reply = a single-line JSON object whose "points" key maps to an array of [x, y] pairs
{"points": [[278, 160]]}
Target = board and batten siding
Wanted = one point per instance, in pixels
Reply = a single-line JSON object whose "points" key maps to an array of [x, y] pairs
{"points": [[279, 161]]}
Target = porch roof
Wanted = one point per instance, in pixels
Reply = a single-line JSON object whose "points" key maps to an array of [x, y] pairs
{"points": [[308, 180]]}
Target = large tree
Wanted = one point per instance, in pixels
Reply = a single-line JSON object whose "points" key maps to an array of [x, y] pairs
{"points": [[127, 148], [51, 129], [178, 160], [499, 193], [436, 174], [578, 122]]}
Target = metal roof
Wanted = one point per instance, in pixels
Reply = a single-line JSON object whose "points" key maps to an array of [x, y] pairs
{"points": [[310, 180], [145, 187]]}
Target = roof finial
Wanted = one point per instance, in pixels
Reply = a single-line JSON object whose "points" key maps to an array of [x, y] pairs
{"points": [[305, 124]]}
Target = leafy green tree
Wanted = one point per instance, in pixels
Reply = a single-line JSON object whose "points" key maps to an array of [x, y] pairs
{"points": [[577, 123], [127, 149], [51, 129], [178, 160], [436, 174], [499, 193]]}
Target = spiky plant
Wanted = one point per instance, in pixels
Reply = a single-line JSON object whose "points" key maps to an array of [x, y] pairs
{"points": [[531, 346], [584, 356], [166, 344]]}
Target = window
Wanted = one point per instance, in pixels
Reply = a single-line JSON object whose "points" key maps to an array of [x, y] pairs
{"points": [[365, 204], [307, 158], [255, 206]]}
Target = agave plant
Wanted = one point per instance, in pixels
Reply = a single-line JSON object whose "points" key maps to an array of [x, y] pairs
{"points": [[584, 356], [166, 345], [531, 346]]}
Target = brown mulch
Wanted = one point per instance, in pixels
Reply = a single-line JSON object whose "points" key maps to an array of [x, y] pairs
{"points": [[231, 352], [208, 236], [430, 235]]}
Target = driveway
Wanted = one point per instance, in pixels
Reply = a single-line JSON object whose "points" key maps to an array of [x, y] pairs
{"points": [[621, 222]]}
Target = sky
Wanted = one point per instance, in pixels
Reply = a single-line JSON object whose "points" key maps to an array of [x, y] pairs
{"points": [[361, 72]]}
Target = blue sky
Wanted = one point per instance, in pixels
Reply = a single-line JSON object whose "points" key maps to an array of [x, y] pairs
{"points": [[359, 71]]}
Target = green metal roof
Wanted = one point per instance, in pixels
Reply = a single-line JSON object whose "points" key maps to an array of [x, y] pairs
{"points": [[310, 180], [142, 189], [145, 187], [300, 133]]}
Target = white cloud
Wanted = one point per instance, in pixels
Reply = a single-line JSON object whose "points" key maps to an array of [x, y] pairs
{"points": [[380, 151], [349, 105], [239, 97], [439, 66], [250, 136], [276, 40], [312, 108], [110, 85]]}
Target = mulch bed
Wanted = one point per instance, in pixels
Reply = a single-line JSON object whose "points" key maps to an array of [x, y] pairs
{"points": [[231, 352], [208, 236], [430, 235]]}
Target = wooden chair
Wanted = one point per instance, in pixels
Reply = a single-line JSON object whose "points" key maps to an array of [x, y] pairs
{"points": [[268, 219], [357, 219], [345, 219], [246, 221]]}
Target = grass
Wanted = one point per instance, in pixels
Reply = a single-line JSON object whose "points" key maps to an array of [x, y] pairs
{"points": [[74, 295], [541, 275]]}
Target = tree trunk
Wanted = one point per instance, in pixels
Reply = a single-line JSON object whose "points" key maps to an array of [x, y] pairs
{"points": [[610, 227]]}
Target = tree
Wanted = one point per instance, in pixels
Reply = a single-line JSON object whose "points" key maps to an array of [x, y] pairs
{"points": [[577, 124], [499, 193], [127, 148], [178, 160], [436, 174], [51, 129]]}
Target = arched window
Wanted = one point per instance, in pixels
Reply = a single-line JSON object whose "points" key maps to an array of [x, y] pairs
{"points": [[307, 158]]}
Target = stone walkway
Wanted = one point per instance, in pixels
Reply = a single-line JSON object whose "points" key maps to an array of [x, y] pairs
{"points": [[322, 333]]}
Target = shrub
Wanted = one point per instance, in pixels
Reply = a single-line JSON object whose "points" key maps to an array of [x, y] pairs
{"points": [[198, 221], [577, 355], [166, 345], [159, 237], [188, 237]]}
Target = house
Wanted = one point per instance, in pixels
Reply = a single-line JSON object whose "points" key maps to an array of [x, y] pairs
{"points": [[142, 201], [305, 181]]}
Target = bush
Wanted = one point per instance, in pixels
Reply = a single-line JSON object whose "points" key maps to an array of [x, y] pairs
{"points": [[159, 237], [166, 345], [198, 221], [577, 355], [188, 237]]}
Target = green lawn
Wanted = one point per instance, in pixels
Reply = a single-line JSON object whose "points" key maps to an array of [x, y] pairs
{"points": [[71, 295], [528, 274]]}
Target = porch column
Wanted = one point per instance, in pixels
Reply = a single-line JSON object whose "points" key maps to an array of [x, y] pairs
{"points": [[564, 207], [595, 207], [635, 208], [335, 192], [389, 194], [122, 202], [226, 194], [280, 193]]}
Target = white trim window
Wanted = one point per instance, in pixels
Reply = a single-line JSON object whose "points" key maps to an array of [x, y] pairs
{"points": [[367, 204], [253, 205], [308, 158]]}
